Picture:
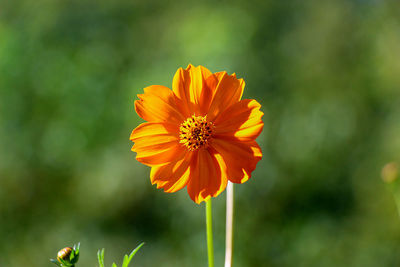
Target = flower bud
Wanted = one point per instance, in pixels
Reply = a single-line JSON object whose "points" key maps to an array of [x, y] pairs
{"points": [[67, 257], [64, 254]]}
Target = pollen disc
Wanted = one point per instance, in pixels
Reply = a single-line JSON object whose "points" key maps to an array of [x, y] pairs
{"points": [[195, 132]]}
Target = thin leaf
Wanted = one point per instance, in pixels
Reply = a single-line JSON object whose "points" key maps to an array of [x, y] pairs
{"points": [[55, 262], [76, 248], [127, 260], [64, 262], [100, 257], [72, 255]]}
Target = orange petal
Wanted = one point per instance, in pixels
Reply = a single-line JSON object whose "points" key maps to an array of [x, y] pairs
{"points": [[194, 88], [229, 91], [156, 143], [242, 121], [206, 179], [172, 176], [149, 129], [157, 104], [240, 158]]}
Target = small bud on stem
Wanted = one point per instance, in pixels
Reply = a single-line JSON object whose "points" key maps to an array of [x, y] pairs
{"points": [[64, 254], [67, 257]]}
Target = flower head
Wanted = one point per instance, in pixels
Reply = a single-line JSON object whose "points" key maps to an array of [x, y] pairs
{"points": [[200, 134]]}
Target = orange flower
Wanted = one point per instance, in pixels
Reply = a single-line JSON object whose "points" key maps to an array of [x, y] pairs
{"points": [[199, 134]]}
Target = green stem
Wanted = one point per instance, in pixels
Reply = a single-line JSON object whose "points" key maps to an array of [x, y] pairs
{"points": [[229, 225], [210, 246]]}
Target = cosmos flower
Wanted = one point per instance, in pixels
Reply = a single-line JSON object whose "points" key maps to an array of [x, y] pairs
{"points": [[200, 134]]}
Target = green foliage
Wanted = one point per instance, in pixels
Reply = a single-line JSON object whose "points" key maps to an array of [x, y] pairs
{"points": [[126, 261]]}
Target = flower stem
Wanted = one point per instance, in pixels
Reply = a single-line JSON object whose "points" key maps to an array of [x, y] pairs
{"points": [[229, 225], [210, 246]]}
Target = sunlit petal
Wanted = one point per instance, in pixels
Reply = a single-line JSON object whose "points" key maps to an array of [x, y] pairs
{"points": [[228, 92], [194, 88], [156, 143], [172, 176], [242, 121], [206, 180], [240, 158], [157, 104]]}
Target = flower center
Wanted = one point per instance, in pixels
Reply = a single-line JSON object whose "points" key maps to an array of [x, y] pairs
{"points": [[195, 132]]}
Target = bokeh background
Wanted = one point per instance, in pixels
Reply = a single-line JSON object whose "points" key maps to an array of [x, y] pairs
{"points": [[327, 74]]}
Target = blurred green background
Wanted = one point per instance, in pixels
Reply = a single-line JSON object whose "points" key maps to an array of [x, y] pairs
{"points": [[327, 74]]}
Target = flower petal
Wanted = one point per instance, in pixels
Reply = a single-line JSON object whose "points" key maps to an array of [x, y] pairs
{"points": [[194, 88], [229, 91], [156, 143], [172, 176], [242, 121], [157, 104], [240, 158], [206, 180]]}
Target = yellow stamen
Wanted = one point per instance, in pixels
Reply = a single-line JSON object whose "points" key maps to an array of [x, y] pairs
{"points": [[195, 132]]}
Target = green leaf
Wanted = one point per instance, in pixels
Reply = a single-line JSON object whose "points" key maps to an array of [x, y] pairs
{"points": [[127, 259], [65, 263], [72, 255], [55, 262], [76, 248], [100, 257]]}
